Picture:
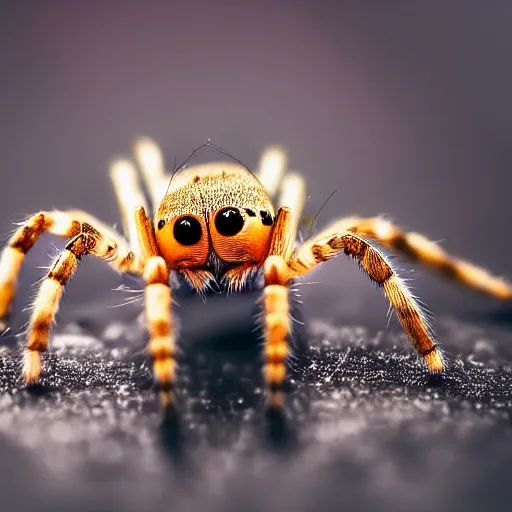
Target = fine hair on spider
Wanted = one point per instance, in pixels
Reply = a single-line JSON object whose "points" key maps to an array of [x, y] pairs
{"points": [[312, 222], [217, 225], [208, 144]]}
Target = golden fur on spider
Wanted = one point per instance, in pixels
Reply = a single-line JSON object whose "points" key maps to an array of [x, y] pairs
{"points": [[216, 225]]}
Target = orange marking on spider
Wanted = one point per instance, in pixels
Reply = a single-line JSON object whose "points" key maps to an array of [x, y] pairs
{"points": [[219, 225]]}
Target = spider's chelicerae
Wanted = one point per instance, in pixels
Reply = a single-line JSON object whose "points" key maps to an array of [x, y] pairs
{"points": [[219, 225]]}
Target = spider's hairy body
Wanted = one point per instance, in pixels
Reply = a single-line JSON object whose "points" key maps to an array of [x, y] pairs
{"points": [[208, 187], [203, 193], [217, 226]]}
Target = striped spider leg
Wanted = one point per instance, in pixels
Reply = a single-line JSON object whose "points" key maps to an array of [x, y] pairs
{"points": [[283, 266], [216, 225], [87, 235], [419, 249]]}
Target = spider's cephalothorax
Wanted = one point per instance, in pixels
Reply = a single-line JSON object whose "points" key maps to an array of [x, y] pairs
{"points": [[215, 225]]}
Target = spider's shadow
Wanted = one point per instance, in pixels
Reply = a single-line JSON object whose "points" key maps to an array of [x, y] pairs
{"points": [[221, 385], [40, 390]]}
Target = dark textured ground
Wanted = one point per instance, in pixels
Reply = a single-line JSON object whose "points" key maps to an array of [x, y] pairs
{"points": [[366, 426], [404, 108]]}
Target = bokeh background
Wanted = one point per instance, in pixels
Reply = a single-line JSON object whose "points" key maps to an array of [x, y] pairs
{"points": [[402, 107]]}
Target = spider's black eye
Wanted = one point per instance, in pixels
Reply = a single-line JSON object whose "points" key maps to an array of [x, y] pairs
{"points": [[187, 231], [161, 223], [229, 222], [266, 218]]}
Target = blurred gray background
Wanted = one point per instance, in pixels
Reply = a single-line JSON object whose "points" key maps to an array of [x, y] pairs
{"points": [[403, 107]]}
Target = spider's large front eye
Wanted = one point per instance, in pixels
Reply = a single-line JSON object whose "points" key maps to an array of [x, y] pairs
{"points": [[239, 235], [187, 231], [182, 240], [229, 222]]}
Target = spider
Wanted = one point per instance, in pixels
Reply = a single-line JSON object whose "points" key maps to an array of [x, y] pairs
{"points": [[215, 226]]}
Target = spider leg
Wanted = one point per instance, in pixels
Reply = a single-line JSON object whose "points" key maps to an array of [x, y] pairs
{"points": [[86, 241], [277, 320], [380, 271], [420, 249], [84, 238], [293, 196], [271, 170], [286, 188], [160, 327], [129, 195], [151, 162], [65, 224]]}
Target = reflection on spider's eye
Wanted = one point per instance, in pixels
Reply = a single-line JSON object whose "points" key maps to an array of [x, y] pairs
{"points": [[161, 223], [187, 231], [229, 221]]}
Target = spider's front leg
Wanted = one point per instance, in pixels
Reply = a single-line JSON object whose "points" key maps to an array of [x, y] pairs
{"points": [[87, 241], [277, 320], [327, 246], [277, 327], [86, 235], [64, 224], [160, 326]]}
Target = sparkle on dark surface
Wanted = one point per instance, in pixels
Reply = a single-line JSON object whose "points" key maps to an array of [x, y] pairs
{"points": [[365, 424]]}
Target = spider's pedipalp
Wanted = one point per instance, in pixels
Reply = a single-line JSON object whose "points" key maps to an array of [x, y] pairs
{"points": [[145, 235], [375, 265], [287, 188], [282, 237]]}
